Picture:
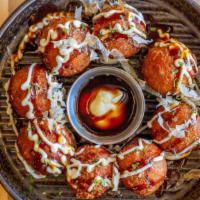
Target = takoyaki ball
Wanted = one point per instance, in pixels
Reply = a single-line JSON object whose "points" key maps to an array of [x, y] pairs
{"points": [[28, 92], [46, 146], [64, 46], [176, 129], [168, 65], [89, 173], [120, 27], [142, 167], [53, 21]]}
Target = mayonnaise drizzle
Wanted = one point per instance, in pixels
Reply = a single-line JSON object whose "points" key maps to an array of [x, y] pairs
{"points": [[74, 169], [105, 182], [27, 99], [53, 164], [28, 168], [52, 35], [115, 178], [64, 147], [133, 32], [107, 14], [185, 62], [179, 130], [32, 33], [66, 48], [126, 173], [140, 147], [190, 147], [184, 151]]}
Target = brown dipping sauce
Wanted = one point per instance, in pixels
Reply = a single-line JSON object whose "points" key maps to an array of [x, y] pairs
{"points": [[106, 105]]}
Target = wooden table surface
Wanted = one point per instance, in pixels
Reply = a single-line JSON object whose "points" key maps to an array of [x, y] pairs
{"points": [[7, 6]]}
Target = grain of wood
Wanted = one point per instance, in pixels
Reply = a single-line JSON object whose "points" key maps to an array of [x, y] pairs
{"points": [[4, 195], [4, 11], [13, 4], [7, 6]]}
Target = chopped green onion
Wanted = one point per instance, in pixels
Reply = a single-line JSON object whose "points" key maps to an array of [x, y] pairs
{"points": [[65, 30], [39, 142], [95, 160], [143, 150], [83, 26], [174, 72], [103, 182], [54, 73], [180, 63], [135, 165], [60, 193], [28, 129], [194, 112], [153, 29], [132, 26], [100, 34]]}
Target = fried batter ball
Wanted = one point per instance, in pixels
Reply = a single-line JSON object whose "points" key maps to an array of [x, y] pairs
{"points": [[168, 65], [28, 92], [121, 28], [63, 45], [90, 171], [45, 146], [176, 129], [142, 166]]}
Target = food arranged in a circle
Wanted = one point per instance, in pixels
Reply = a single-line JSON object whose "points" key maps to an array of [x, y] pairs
{"points": [[68, 44]]}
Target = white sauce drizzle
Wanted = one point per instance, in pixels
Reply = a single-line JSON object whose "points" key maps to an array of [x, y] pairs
{"points": [[27, 99], [126, 173], [178, 131], [107, 14], [105, 182], [66, 48], [194, 144], [53, 164], [74, 169], [52, 35], [185, 61], [184, 151], [43, 23], [64, 147], [33, 30], [133, 32], [188, 92], [28, 168], [140, 147], [80, 152], [115, 178]]}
